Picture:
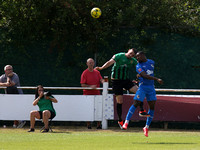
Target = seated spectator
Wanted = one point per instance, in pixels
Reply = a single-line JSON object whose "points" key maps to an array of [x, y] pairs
{"points": [[46, 110]]}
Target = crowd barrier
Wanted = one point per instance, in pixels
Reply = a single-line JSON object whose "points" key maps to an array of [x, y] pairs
{"points": [[102, 107], [68, 108], [183, 108]]}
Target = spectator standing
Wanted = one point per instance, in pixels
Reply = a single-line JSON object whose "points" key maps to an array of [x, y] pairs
{"points": [[11, 80], [91, 78]]}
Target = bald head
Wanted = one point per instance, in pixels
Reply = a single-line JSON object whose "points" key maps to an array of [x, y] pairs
{"points": [[90, 64], [90, 60]]}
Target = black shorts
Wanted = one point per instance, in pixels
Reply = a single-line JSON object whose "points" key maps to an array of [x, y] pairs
{"points": [[118, 85], [52, 114]]}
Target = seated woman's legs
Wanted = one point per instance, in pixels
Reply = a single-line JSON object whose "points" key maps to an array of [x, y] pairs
{"points": [[34, 114], [46, 114]]}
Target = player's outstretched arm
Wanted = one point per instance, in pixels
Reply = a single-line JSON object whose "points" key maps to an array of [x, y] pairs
{"points": [[159, 81], [106, 65], [144, 75]]}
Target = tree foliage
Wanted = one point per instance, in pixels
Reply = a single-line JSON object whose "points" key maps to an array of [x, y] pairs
{"points": [[63, 31], [67, 22]]}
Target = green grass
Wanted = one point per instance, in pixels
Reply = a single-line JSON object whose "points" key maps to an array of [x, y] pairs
{"points": [[112, 139]]}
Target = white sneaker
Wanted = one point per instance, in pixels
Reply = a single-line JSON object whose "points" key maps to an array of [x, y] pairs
{"points": [[125, 126]]}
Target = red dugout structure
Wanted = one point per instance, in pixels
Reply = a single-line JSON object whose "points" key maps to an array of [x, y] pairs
{"points": [[184, 108]]}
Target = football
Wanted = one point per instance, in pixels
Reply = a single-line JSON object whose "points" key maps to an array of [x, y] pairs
{"points": [[96, 12]]}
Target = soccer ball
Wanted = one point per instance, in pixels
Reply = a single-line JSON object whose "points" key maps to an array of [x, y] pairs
{"points": [[96, 12]]}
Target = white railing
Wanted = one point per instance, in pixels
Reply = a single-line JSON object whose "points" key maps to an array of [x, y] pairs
{"points": [[92, 108], [101, 110], [109, 89]]}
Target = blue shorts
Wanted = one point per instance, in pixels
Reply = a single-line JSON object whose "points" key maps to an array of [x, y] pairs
{"points": [[147, 91]]}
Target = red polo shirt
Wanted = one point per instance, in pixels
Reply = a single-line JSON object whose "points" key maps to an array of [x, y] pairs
{"points": [[91, 78]]}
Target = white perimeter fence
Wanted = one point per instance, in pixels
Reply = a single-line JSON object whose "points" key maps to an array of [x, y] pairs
{"points": [[69, 107]]}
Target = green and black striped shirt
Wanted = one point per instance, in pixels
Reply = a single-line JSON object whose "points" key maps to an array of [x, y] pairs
{"points": [[120, 69]]}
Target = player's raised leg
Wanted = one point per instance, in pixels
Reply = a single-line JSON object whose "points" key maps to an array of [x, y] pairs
{"points": [[130, 113], [142, 112]]}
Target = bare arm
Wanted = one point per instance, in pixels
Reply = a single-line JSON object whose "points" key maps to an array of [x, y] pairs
{"points": [[5, 84], [87, 85], [37, 99], [51, 99], [144, 75], [11, 83], [102, 81], [107, 64]]}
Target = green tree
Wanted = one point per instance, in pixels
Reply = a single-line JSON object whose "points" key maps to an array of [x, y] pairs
{"points": [[60, 34]]}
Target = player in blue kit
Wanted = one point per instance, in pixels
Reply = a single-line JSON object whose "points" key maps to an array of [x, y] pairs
{"points": [[145, 70]]}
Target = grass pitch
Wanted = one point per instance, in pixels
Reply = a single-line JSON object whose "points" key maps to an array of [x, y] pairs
{"points": [[111, 139]]}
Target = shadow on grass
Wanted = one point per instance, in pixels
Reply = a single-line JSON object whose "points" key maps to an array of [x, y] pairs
{"points": [[161, 143], [60, 132]]}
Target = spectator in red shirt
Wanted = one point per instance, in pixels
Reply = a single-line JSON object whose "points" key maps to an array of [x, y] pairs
{"points": [[91, 78]]}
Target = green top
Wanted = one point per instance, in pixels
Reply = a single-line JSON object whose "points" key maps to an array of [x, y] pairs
{"points": [[45, 104], [120, 69]]}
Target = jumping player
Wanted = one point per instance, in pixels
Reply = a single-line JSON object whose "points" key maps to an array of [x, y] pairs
{"points": [[145, 69], [120, 79]]}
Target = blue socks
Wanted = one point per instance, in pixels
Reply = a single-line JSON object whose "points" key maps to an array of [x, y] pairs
{"points": [[149, 119], [130, 112]]}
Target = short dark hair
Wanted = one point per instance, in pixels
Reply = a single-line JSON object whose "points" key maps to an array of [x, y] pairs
{"points": [[141, 52], [134, 50]]}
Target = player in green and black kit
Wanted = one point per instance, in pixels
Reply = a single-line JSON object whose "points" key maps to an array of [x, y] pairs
{"points": [[120, 79]]}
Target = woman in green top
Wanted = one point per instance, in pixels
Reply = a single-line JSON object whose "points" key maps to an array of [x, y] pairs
{"points": [[46, 110]]}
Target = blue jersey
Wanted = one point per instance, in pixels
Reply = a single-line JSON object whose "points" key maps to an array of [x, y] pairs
{"points": [[148, 67], [146, 86]]}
